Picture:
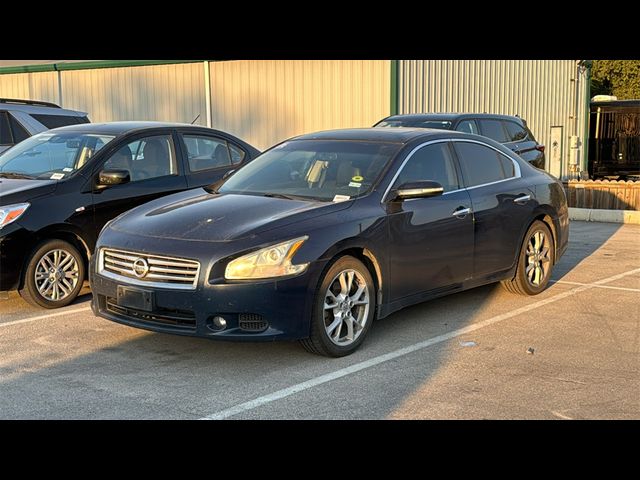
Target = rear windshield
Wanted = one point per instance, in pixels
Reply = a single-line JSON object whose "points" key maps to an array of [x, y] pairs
{"points": [[55, 121], [412, 122]]}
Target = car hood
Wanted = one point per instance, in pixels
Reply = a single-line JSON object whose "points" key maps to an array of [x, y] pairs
{"points": [[200, 216], [17, 190]]}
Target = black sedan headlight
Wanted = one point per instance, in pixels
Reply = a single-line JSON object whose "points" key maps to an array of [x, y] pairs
{"points": [[270, 262]]}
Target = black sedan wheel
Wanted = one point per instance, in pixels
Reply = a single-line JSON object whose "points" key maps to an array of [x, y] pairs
{"points": [[535, 262], [54, 275], [343, 310]]}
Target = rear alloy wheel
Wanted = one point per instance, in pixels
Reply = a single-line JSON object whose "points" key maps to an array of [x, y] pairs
{"points": [[535, 261], [54, 275], [344, 309]]}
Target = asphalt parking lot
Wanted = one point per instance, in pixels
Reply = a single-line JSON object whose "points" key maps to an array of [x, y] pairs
{"points": [[462, 356]]}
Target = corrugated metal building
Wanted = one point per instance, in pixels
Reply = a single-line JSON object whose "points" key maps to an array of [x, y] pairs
{"points": [[266, 101]]}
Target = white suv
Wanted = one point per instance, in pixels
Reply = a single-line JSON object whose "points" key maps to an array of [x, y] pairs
{"points": [[20, 119]]}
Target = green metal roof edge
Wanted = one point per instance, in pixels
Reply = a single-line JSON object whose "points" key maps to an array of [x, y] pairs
{"points": [[52, 67], [393, 104]]}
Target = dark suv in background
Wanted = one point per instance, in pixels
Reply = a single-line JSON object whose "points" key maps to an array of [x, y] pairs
{"points": [[512, 131], [20, 119]]}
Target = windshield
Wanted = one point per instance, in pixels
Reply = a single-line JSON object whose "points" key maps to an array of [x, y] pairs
{"points": [[325, 170], [412, 122], [51, 156]]}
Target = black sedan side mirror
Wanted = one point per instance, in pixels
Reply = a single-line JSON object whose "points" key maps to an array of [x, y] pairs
{"points": [[109, 178], [421, 189]]}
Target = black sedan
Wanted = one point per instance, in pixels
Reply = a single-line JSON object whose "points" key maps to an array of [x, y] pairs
{"points": [[59, 188], [326, 232]]}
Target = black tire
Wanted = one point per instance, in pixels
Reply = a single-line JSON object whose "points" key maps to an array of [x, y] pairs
{"points": [[29, 290], [319, 341], [520, 283]]}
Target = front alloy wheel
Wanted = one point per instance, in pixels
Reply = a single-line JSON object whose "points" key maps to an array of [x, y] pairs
{"points": [[54, 275], [344, 309]]}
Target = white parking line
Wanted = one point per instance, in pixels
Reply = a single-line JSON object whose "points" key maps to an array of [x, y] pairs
{"points": [[45, 316], [285, 392], [597, 286]]}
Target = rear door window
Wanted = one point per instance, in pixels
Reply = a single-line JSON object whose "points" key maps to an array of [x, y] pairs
{"points": [[206, 153], [516, 132], [481, 164], [494, 130], [5, 130], [468, 126]]}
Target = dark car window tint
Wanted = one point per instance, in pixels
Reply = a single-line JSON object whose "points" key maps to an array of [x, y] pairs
{"points": [[150, 157], [418, 123], [515, 131], [493, 129], [19, 133], [479, 164], [55, 121], [237, 155], [432, 162], [205, 153], [507, 166], [468, 126], [326, 170], [5, 132]]}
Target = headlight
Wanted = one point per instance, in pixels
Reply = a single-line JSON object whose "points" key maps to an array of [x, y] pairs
{"points": [[10, 213], [273, 261]]}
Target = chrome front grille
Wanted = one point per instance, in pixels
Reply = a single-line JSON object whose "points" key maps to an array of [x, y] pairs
{"points": [[150, 270]]}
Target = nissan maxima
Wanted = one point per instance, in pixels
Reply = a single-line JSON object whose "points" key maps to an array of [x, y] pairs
{"points": [[327, 232]]}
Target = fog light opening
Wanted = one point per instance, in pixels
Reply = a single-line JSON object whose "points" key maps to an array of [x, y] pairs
{"points": [[219, 323]]}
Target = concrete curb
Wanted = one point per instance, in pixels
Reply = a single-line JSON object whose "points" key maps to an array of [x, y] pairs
{"points": [[611, 216]]}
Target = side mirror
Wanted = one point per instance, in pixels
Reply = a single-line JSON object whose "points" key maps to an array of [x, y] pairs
{"points": [[421, 189], [109, 178], [228, 174]]}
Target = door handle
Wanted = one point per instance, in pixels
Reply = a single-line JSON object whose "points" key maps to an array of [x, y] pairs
{"points": [[461, 212], [523, 199]]}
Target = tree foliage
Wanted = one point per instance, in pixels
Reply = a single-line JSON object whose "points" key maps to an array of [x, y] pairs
{"points": [[616, 77]]}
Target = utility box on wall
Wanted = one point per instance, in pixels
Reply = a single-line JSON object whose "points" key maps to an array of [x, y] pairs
{"points": [[555, 151]]}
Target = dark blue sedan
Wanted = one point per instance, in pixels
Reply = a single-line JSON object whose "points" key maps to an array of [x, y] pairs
{"points": [[324, 233]]}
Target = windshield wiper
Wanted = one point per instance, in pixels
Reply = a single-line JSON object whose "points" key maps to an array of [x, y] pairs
{"points": [[280, 195], [22, 176], [304, 198]]}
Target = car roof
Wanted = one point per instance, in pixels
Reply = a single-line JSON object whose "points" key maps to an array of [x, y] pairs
{"points": [[118, 128], [389, 135], [450, 116], [40, 110]]}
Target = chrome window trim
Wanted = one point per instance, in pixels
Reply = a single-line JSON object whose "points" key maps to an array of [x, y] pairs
{"points": [[518, 172], [142, 283], [411, 153]]}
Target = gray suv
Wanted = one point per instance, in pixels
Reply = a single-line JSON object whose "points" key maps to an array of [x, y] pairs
{"points": [[20, 119]]}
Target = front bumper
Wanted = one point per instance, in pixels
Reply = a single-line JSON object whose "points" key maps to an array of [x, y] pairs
{"points": [[15, 245], [262, 311]]}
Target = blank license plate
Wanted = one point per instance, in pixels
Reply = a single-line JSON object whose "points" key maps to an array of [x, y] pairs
{"points": [[135, 298]]}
